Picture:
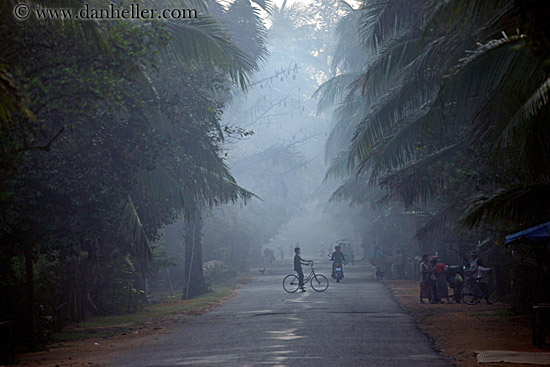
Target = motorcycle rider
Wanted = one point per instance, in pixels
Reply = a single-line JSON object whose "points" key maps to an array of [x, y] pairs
{"points": [[337, 258]]}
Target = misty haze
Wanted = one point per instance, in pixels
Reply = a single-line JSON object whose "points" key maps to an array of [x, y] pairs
{"points": [[274, 183]]}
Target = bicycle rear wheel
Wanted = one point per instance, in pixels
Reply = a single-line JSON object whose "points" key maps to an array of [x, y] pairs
{"points": [[290, 283], [319, 283], [471, 294]]}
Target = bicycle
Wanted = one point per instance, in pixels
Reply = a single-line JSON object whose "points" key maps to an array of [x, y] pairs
{"points": [[319, 282], [471, 292]]}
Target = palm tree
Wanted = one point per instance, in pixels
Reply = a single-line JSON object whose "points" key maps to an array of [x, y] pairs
{"points": [[199, 178], [431, 94], [202, 177]]}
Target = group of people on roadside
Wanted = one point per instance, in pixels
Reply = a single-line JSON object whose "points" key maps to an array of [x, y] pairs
{"points": [[433, 279], [433, 282]]}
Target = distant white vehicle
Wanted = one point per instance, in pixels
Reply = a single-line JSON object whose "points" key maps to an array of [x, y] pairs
{"points": [[346, 246]]}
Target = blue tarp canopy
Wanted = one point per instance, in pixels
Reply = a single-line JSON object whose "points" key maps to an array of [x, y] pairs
{"points": [[536, 233]]}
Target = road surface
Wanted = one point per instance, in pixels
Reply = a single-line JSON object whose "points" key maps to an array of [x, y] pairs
{"points": [[354, 323]]}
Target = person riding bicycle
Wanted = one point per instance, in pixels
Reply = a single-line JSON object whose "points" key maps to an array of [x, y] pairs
{"points": [[337, 258], [478, 271], [298, 262]]}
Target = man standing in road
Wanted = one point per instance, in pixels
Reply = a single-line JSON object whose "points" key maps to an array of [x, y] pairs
{"points": [[298, 262]]}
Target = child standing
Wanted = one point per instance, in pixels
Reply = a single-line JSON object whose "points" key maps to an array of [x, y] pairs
{"points": [[298, 262]]}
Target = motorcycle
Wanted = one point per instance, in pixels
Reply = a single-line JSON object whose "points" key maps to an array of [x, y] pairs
{"points": [[338, 272]]}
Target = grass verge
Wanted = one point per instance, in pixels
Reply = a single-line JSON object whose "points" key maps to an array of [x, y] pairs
{"points": [[151, 316]]}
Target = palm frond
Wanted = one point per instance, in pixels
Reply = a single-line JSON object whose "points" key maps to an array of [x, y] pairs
{"points": [[209, 185], [266, 5], [205, 40], [134, 234], [247, 29], [88, 31], [338, 167], [537, 101], [441, 223], [396, 149], [357, 190], [483, 52], [333, 90], [414, 90], [524, 204], [390, 59], [524, 115], [216, 188], [160, 187], [416, 181], [391, 113], [497, 71], [349, 54], [384, 19], [348, 116], [478, 17]]}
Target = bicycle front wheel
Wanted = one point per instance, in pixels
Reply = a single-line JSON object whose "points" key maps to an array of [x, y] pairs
{"points": [[471, 294], [290, 283], [319, 283]]}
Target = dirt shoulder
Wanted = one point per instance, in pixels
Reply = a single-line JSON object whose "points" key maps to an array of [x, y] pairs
{"points": [[459, 330], [101, 337]]}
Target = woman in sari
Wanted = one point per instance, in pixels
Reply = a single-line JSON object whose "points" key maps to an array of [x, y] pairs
{"points": [[426, 283], [441, 290]]}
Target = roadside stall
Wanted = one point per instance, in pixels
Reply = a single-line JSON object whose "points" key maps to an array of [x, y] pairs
{"points": [[539, 238]]}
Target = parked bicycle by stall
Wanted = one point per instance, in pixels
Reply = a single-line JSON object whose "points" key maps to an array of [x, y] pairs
{"points": [[318, 282], [472, 292]]}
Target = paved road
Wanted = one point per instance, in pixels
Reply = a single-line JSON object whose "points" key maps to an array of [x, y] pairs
{"points": [[353, 323]]}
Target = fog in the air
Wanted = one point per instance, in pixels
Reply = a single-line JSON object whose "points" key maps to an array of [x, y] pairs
{"points": [[158, 156]]}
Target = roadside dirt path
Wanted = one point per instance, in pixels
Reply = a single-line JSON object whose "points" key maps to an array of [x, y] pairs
{"points": [[79, 354], [459, 330]]}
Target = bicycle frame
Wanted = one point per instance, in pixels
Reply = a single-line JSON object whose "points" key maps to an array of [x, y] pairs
{"points": [[318, 282], [311, 275], [476, 287]]}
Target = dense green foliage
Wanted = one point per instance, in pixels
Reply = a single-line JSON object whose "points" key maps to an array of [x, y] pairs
{"points": [[445, 106], [112, 131], [109, 132]]}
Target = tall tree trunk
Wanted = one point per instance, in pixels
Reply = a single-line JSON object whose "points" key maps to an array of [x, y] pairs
{"points": [[194, 278], [367, 245], [29, 275], [245, 266], [169, 279], [75, 308]]}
